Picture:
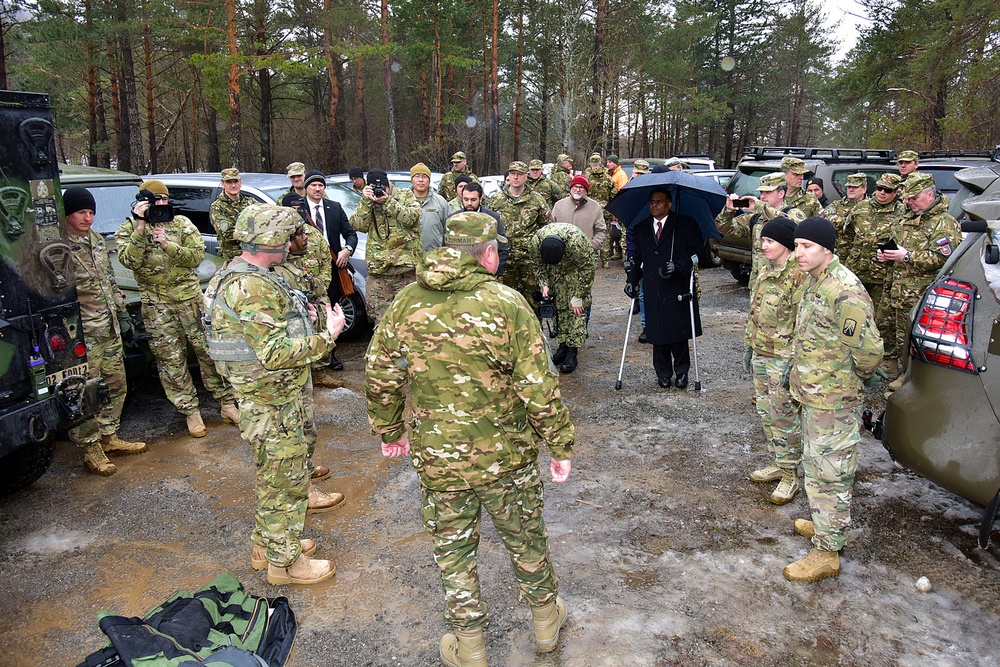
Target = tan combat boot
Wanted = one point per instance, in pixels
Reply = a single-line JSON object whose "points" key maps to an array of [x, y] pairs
{"points": [[816, 565], [804, 527], [787, 487], [323, 502], [304, 571], [258, 558], [97, 461], [230, 413], [319, 473], [894, 385], [771, 473], [326, 379], [891, 367], [465, 648], [196, 427], [115, 446], [548, 620]]}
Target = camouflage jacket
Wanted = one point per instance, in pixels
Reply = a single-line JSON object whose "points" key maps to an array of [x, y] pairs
{"points": [[446, 188], [561, 177], [805, 201], [748, 225], [930, 237], [169, 274], [522, 216], [394, 235], [836, 345], [96, 288], [281, 199], [774, 302], [602, 188], [468, 353], [261, 311], [572, 279], [222, 214], [455, 204], [314, 268], [838, 213], [545, 187], [872, 223]]}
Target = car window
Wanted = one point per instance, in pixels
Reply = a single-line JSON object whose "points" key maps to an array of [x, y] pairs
{"points": [[274, 193], [944, 178], [745, 183], [194, 203], [114, 205], [348, 199], [839, 178]]}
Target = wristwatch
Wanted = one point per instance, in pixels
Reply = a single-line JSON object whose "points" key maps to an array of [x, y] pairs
{"points": [[906, 257], [349, 249]]}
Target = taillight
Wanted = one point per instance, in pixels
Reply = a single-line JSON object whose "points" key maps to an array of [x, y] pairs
{"points": [[57, 342], [80, 349], [942, 331]]}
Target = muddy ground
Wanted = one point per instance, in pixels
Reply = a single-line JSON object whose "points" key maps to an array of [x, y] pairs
{"points": [[666, 554]]}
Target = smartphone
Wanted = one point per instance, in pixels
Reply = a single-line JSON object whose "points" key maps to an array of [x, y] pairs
{"points": [[887, 244], [742, 202]]}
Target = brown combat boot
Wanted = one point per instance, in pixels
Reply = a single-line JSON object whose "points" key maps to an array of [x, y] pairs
{"points": [[326, 379], [196, 427], [548, 620], [816, 565], [258, 558], [465, 648], [891, 367], [320, 501], [319, 473], [771, 473], [304, 571], [97, 461], [804, 527], [115, 446], [787, 487], [230, 413]]}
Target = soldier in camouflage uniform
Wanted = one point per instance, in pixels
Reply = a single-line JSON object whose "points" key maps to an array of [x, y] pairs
{"points": [[165, 259], [392, 222], [100, 303], [795, 170], [456, 203], [639, 168], [836, 348], [874, 220], [602, 189], [540, 183], [562, 173], [748, 222], [467, 352], [224, 211], [564, 264], [296, 173], [446, 188], [262, 337], [839, 213], [908, 163], [768, 353], [925, 237], [523, 213]]}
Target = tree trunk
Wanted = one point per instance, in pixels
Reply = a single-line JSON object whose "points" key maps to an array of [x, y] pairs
{"points": [[332, 65], [91, 83], [214, 156], [438, 84], [362, 117], [3, 48], [493, 148], [235, 112], [131, 156], [266, 92], [147, 57], [390, 107], [597, 132], [425, 107], [520, 82]]}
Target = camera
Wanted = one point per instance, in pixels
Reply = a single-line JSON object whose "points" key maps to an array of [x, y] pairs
{"points": [[378, 190], [547, 307], [156, 214]]}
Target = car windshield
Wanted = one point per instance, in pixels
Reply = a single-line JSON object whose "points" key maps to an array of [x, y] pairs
{"points": [[944, 178], [114, 205], [745, 183]]}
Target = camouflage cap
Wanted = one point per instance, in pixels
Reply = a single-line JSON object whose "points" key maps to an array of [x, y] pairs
{"points": [[535, 164], [794, 165], [458, 157], [266, 225], [889, 180], [470, 228], [772, 181], [596, 157], [640, 167], [563, 158], [518, 166], [858, 179], [231, 174], [916, 183], [907, 156], [295, 169]]}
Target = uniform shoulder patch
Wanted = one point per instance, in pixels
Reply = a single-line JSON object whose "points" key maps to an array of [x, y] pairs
{"points": [[852, 318], [943, 246]]}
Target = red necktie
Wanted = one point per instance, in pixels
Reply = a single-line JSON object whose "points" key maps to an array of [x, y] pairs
{"points": [[659, 229]]}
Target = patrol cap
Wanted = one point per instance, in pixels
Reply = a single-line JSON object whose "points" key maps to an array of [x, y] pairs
{"points": [[818, 230], [155, 186], [794, 165], [640, 167], [889, 180], [458, 157], [518, 166], [535, 164], [420, 168], [613, 158], [231, 174], [596, 157], [562, 157], [858, 179], [772, 181], [471, 227], [917, 183], [315, 176], [908, 156], [295, 169]]}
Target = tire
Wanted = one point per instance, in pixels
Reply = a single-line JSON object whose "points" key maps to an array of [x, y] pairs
{"points": [[21, 468], [356, 315], [742, 274], [709, 259]]}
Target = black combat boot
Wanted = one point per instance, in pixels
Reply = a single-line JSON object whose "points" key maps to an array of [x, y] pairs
{"points": [[570, 363], [560, 354]]}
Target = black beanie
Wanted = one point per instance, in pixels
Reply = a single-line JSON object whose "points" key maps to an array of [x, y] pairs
{"points": [[378, 177], [315, 176], [78, 199], [552, 249], [818, 230], [782, 230], [356, 172]]}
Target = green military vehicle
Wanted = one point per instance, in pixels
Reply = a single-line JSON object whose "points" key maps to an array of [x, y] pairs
{"points": [[43, 356]]}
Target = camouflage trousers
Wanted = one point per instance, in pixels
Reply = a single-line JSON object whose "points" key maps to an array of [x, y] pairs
{"points": [[106, 359], [779, 413], [874, 290], [612, 241], [309, 432], [514, 503], [892, 318], [571, 329], [173, 325], [280, 454], [519, 276], [830, 461], [381, 289]]}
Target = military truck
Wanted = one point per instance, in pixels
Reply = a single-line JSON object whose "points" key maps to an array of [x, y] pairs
{"points": [[43, 357]]}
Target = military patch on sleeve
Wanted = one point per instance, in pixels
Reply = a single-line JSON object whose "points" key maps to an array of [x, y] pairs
{"points": [[943, 246], [851, 319]]}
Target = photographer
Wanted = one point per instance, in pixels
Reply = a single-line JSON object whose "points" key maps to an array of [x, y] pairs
{"points": [[564, 262], [164, 250]]}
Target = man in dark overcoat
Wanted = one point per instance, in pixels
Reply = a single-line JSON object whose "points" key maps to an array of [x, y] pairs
{"points": [[664, 244]]}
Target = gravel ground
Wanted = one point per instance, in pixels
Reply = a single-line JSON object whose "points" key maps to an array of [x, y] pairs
{"points": [[666, 554]]}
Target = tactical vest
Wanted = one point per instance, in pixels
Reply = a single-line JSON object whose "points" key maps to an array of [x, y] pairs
{"points": [[232, 347]]}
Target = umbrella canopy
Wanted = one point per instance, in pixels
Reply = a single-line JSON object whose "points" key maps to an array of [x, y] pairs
{"points": [[695, 196]]}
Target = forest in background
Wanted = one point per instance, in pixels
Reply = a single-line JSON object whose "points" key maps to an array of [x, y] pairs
{"points": [[198, 85]]}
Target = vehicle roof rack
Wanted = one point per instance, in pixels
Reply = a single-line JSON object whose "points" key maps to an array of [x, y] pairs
{"points": [[825, 154], [930, 155]]}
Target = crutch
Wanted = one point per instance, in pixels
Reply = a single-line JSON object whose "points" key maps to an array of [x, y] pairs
{"points": [[694, 339], [628, 329]]}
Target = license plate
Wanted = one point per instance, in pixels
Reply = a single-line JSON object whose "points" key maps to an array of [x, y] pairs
{"points": [[59, 376]]}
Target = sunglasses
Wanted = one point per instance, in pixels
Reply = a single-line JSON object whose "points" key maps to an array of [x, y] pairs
{"points": [[882, 188]]}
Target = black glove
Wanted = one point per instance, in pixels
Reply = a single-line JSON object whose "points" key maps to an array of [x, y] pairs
{"points": [[632, 290], [627, 265], [668, 270]]}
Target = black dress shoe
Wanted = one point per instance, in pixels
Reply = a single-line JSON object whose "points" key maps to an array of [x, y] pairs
{"points": [[336, 364], [682, 381], [642, 336], [663, 382]]}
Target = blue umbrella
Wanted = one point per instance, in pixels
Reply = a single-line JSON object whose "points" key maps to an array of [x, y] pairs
{"points": [[698, 197]]}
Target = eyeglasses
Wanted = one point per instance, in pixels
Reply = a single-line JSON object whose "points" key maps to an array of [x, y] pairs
{"points": [[882, 188]]}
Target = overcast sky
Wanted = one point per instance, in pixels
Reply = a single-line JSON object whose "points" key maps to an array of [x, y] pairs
{"points": [[846, 18]]}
